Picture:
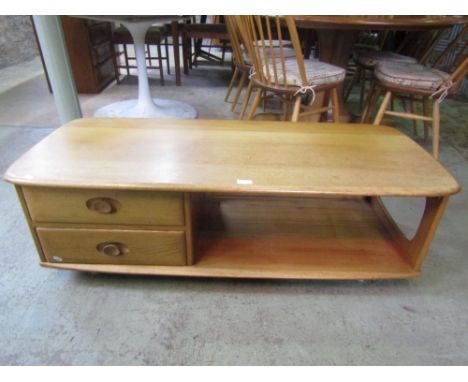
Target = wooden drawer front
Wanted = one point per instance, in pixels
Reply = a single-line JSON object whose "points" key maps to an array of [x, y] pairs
{"points": [[104, 206], [113, 246]]}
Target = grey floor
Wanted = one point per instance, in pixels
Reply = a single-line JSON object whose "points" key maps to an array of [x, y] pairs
{"points": [[66, 318]]}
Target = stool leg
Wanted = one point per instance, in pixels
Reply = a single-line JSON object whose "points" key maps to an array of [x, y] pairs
{"points": [[383, 108], [435, 128]]}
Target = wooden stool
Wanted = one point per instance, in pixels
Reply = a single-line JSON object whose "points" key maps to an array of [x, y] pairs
{"points": [[155, 36]]}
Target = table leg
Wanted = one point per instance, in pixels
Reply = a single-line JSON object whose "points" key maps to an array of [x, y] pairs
{"points": [[145, 106], [335, 47], [415, 249]]}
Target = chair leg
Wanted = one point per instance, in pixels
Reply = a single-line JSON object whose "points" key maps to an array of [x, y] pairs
{"points": [[246, 100], [383, 108], [223, 54], [370, 96], [149, 54], [296, 109], [114, 60], [413, 111], [185, 53], [239, 90], [356, 77], [435, 128], [426, 123], [335, 105], [255, 103], [231, 84], [161, 70], [375, 94], [363, 88], [168, 63], [127, 65], [285, 109]]}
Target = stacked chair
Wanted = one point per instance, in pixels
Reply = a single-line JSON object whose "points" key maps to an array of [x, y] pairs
{"points": [[366, 57], [428, 85]]}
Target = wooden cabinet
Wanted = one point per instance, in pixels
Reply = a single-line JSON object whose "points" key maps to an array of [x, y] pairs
{"points": [[229, 198], [90, 49]]}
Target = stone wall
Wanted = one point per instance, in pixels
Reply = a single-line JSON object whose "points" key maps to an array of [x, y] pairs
{"points": [[17, 40]]}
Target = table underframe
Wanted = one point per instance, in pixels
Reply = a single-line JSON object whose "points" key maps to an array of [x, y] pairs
{"points": [[251, 236]]}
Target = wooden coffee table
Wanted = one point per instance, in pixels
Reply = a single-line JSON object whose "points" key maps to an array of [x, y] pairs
{"points": [[228, 198]]}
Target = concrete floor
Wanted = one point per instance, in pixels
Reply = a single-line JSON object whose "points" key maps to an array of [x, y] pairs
{"points": [[66, 318]]}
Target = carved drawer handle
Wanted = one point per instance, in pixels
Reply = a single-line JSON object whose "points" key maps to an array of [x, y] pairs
{"points": [[112, 249], [103, 205]]}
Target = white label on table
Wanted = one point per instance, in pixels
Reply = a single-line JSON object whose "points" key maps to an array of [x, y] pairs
{"points": [[57, 258], [244, 182]]}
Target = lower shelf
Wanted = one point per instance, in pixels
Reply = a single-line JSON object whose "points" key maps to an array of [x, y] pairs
{"points": [[323, 238]]}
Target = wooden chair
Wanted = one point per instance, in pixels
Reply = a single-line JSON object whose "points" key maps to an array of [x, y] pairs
{"points": [[414, 80], [241, 66], [366, 60], [292, 80], [156, 35], [198, 32]]}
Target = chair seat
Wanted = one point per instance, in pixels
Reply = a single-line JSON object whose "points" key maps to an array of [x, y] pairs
{"points": [[288, 52], [317, 72], [410, 76], [370, 58]]}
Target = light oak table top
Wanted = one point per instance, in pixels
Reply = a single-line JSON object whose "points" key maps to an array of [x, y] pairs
{"points": [[275, 158]]}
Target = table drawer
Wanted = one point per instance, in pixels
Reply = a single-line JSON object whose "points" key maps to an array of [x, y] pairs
{"points": [[62, 205], [62, 245]]}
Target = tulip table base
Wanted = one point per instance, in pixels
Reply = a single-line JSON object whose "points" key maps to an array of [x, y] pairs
{"points": [[144, 106], [161, 108]]}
